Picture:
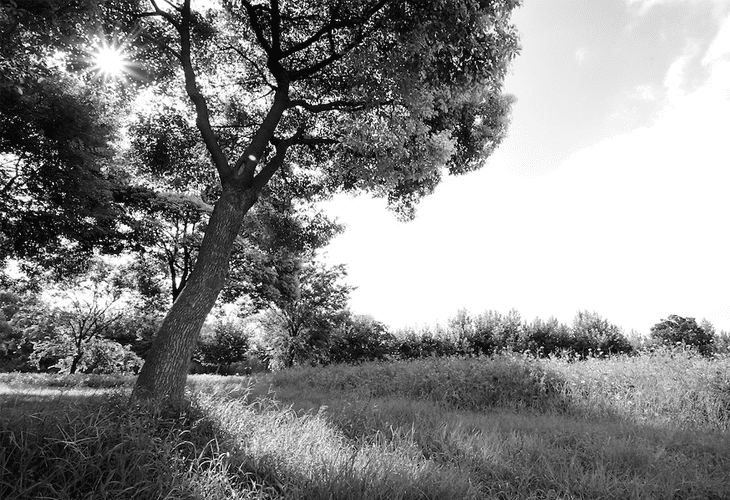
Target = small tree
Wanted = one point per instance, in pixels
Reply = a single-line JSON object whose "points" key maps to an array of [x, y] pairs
{"points": [[722, 342], [510, 332], [72, 327], [360, 338], [461, 329], [677, 330], [298, 328], [546, 338], [228, 344], [486, 326], [592, 335]]}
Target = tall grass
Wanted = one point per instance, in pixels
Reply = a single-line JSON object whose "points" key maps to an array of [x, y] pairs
{"points": [[666, 388], [650, 427]]}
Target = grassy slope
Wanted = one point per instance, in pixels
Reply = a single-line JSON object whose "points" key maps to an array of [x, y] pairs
{"points": [[650, 427]]}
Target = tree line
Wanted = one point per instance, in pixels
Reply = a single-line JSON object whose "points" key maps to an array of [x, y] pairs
{"points": [[104, 323]]}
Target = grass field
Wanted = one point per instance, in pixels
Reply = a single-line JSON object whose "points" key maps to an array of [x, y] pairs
{"points": [[649, 427]]}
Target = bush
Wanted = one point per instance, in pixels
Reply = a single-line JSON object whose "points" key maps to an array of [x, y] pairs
{"points": [[98, 355], [10, 303], [676, 330], [593, 335], [410, 344], [547, 338], [359, 339], [228, 344]]}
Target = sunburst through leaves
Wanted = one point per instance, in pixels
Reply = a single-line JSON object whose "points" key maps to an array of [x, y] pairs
{"points": [[110, 61]]}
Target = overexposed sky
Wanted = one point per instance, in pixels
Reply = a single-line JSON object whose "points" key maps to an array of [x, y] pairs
{"points": [[611, 193]]}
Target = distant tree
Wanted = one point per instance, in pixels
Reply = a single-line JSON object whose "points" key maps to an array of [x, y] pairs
{"points": [[722, 342], [677, 330], [73, 328], [30, 322], [593, 335], [300, 325], [424, 341], [10, 304], [360, 338], [486, 326], [509, 333], [10, 344], [546, 338], [461, 330], [228, 343]]}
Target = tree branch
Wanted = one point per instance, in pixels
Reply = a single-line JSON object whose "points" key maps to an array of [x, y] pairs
{"points": [[6, 188], [303, 73], [275, 26], [166, 15], [315, 141], [253, 63], [246, 165], [253, 19], [334, 105], [324, 30], [201, 106], [268, 171], [328, 30]]}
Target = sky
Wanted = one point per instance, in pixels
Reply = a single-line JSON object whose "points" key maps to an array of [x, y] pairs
{"points": [[611, 192]]}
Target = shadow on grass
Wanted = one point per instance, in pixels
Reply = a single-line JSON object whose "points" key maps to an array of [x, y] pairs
{"points": [[504, 428], [521, 429], [99, 447]]}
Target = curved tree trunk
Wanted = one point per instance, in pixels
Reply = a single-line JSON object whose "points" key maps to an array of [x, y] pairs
{"points": [[165, 370]]}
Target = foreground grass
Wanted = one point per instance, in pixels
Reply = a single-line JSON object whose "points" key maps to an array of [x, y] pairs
{"points": [[507, 428]]}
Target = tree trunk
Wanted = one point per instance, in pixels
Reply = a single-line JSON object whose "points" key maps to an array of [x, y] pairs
{"points": [[165, 370], [75, 363]]}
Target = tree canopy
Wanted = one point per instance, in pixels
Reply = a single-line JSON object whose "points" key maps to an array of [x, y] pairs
{"points": [[677, 330]]}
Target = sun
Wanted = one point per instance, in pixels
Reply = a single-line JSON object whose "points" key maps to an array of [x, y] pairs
{"points": [[109, 60]]}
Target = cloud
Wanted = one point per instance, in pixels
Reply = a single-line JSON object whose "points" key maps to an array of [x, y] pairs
{"points": [[720, 47], [645, 6], [650, 206], [675, 77], [643, 92], [580, 54]]}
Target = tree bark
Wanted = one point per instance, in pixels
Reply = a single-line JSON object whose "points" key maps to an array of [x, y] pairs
{"points": [[75, 363], [165, 370]]}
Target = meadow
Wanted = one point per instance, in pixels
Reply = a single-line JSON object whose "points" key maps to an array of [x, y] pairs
{"points": [[655, 426]]}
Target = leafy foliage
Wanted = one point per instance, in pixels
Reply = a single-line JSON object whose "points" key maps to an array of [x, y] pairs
{"points": [[359, 339], [592, 334], [75, 327], [55, 131], [677, 330], [227, 344], [299, 327], [491, 332]]}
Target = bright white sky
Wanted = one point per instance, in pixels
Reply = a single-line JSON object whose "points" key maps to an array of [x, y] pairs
{"points": [[611, 193]]}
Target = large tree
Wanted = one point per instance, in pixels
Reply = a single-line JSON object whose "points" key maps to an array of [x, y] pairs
{"points": [[382, 96], [377, 95], [170, 196]]}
